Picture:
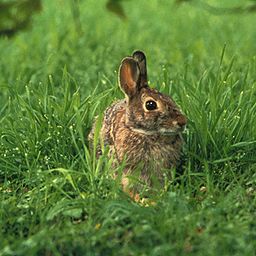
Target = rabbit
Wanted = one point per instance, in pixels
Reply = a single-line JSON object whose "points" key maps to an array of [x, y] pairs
{"points": [[144, 129]]}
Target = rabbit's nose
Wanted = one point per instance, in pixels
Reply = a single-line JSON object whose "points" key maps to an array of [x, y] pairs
{"points": [[181, 121]]}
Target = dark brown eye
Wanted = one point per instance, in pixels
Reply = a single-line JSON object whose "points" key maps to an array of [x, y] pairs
{"points": [[151, 105]]}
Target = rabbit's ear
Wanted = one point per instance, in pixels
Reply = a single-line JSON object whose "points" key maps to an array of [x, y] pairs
{"points": [[140, 57], [129, 76]]}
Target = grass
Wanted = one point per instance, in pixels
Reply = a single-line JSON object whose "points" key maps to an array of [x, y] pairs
{"points": [[57, 199]]}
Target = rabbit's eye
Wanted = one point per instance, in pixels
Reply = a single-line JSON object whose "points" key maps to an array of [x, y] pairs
{"points": [[151, 105]]}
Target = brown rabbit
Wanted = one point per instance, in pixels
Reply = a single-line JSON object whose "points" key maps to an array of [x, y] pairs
{"points": [[144, 129]]}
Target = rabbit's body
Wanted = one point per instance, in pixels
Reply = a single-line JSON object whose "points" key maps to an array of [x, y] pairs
{"points": [[144, 130]]}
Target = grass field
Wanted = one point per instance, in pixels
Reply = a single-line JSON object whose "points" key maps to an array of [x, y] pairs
{"points": [[57, 199]]}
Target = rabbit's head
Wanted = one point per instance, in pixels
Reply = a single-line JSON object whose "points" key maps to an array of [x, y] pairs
{"points": [[148, 111]]}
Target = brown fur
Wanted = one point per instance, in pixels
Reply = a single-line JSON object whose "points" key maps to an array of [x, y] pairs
{"points": [[148, 140]]}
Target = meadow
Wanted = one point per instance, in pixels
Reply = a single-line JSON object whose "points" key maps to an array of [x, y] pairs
{"points": [[58, 199]]}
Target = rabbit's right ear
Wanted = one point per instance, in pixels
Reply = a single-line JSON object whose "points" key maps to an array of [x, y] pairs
{"points": [[140, 57], [129, 76]]}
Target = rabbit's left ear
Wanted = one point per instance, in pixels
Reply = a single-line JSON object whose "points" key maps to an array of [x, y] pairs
{"points": [[140, 57], [129, 76]]}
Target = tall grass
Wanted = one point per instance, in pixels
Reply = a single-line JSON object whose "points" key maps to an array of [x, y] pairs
{"points": [[57, 198]]}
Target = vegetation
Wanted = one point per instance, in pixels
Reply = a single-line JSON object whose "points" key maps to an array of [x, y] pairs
{"points": [[58, 199]]}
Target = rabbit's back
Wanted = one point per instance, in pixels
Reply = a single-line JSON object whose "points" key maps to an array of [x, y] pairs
{"points": [[114, 118]]}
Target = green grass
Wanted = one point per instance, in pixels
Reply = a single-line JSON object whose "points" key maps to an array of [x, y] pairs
{"points": [[57, 199]]}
